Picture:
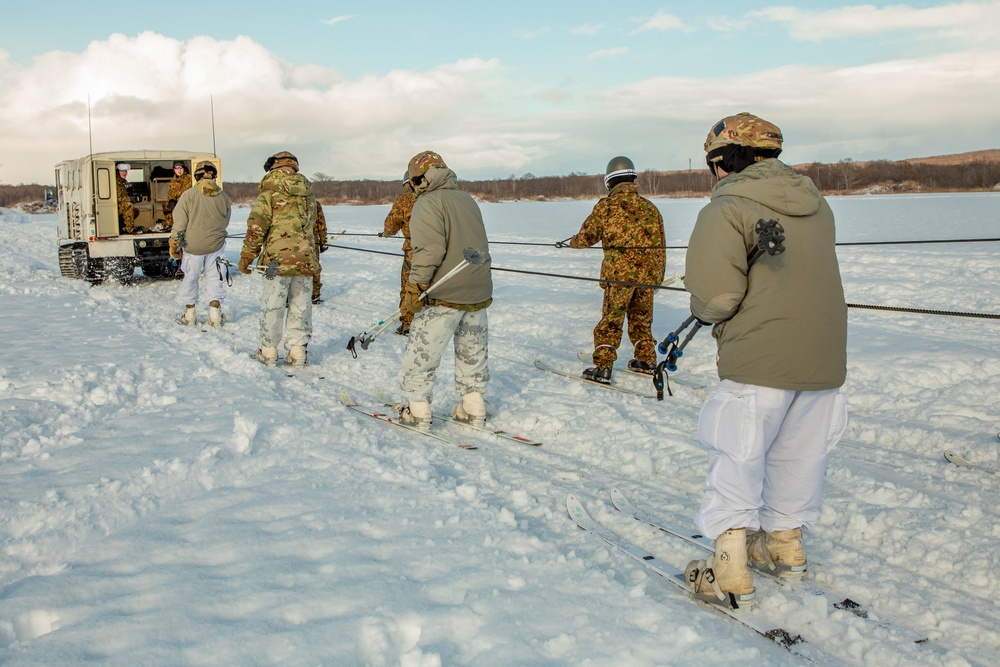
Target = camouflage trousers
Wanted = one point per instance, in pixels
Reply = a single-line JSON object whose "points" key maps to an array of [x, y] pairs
{"points": [[430, 332], [404, 277], [317, 283], [285, 307], [621, 301]]}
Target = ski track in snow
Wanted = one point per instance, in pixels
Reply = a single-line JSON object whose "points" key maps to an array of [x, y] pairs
{"points": [[166, 499]]}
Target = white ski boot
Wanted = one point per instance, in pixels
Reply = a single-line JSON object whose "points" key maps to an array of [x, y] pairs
{"points": [[268, 356], [472, 410], [215, 316], [296, 356], [190, 316], [415, 413], [724, 577], [780, 551]]}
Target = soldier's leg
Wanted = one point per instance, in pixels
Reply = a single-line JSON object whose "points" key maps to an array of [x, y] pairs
{"points": [[472, 353], [404, 277], [273, 307], [298, 325], [608, 332], [187, 294], [317, 283], [432, 329], [640, 325], [215, 284]]}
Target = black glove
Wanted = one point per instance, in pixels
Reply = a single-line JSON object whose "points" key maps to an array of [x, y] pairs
{"points": [[323, 247], [381, 235], [702, 322]]}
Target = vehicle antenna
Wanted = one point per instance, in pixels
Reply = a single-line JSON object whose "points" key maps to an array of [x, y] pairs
{"points": [[211, 100]]}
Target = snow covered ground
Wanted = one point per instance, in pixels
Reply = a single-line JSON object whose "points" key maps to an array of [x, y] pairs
{"points": [[167, 500]]}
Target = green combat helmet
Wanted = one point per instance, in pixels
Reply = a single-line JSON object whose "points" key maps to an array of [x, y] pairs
{"points": [[619, 167]]}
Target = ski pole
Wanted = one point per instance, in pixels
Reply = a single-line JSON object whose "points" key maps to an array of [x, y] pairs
{"points": [[472, 257], [269, 271]]}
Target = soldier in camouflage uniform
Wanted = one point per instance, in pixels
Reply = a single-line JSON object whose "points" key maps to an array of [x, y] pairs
{"points": [[179, 184], [281, 228], [126, 210], [630, 228], [399, 220], [319, 232]]}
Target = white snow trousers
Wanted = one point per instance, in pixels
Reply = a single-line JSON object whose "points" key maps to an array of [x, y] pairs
{"points": [[286, 306], [767, 452], [193, 267], [430, 332]]}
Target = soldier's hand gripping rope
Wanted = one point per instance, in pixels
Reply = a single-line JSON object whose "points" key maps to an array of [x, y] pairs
{"points": [[472, 257], [770, 240]]}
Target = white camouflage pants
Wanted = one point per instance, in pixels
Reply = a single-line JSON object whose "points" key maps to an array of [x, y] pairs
{"points": [[286, 304], [767, 451], [430, 332], [193, 267]]}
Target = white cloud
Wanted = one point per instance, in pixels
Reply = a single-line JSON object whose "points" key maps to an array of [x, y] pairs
{"points": [[608, 53], [662, 22], [977, 22], [588, 30], [337, 19]]}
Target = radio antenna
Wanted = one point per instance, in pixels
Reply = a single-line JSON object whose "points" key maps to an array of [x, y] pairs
{"points": [[211, 101]]}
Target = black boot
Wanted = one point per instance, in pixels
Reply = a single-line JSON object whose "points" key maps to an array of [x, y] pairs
{"points": [[601, 375], [642, 366]]}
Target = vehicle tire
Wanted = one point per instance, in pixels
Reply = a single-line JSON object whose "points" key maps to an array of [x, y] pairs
{"points": [[74, 260]]}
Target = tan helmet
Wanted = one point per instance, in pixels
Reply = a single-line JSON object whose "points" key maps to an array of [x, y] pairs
{"points": [[743, 129], [421, 162], [282, 159], [205, 169]]}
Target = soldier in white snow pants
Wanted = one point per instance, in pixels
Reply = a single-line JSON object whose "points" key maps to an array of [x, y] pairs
{"points": [[767, 453], [193, 266], [430, 332], [295, 293]]}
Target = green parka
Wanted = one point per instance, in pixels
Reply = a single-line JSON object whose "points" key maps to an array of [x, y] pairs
{"points": [[783, 323]]}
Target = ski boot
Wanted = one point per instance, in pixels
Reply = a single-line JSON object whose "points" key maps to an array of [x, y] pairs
{"points": [[402, 331], [779, 551], [643, 367], [724, 577], [215, 316], [268, 356], [296, 356], [190, 316], [472, 410], [415, 413], [599, 375]]}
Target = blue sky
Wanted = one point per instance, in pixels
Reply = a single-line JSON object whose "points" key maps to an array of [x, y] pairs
{"points": [[498, 88]]}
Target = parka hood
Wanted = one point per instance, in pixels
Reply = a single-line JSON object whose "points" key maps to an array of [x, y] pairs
{"points": [[774, 185], [287, 183], [208, 187]]}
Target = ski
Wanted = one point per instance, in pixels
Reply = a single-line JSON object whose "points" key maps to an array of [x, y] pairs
{"points": [[587, 358], [962, 462], [384, 399], [541, 365], [625, 506], [745, 615], [345, 398]]}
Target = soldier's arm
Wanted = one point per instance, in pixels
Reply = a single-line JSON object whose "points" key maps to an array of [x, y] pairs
{"points": [[258, 224], [394, 221], [592, 229], [319, 229]]}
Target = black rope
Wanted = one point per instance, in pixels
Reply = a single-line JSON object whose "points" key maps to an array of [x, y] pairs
{"points": [[897, 309]]}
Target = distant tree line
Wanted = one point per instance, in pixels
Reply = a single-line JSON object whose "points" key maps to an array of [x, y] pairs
{"points": [[843, 177]]}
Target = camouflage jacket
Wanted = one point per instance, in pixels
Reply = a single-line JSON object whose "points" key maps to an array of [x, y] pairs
{"points": [[399, 219], [126, 211], [281, 225], [630, 228], [178, 186]]}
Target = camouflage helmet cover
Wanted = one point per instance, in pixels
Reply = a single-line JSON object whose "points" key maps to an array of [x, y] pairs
{"points": [[743, 129], [206, 168], [282, 159], [421, 162], [618, 167]]}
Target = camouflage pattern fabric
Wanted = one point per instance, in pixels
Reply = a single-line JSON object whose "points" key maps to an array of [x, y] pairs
{"points": [[126, 211], [178, 185], [399, 220], [319, 232], [630, 228], [281, 224]]}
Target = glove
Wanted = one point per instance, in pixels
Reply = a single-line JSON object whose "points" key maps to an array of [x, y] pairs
{"points": [[412, 303], [702, 322], [381, 235], [175, 249], [323, 247], [246, 259]]}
